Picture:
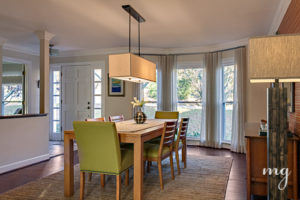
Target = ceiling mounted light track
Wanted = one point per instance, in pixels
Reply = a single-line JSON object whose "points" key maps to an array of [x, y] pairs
{"points": [[128, 66]]}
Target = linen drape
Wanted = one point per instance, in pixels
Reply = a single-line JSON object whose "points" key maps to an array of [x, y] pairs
{"points": [[212, 114], [238, 115], [167, 100]]}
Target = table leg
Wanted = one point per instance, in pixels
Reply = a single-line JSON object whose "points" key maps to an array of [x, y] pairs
{"points": [[138, 169], [68, 166]]}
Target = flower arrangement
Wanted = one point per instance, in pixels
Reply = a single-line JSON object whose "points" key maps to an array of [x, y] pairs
{"points": [[137, 103]]}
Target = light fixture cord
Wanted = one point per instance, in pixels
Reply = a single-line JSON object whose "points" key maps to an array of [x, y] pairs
{"points": [[129, 32], [139, 33]]}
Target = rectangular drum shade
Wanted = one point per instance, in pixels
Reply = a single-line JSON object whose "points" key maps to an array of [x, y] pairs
{"points": [[131, 67], [274, 57]]}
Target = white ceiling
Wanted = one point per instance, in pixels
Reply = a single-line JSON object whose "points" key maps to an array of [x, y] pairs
{"points": [[98, 24]]}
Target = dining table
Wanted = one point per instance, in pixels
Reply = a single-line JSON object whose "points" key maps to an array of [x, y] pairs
{"points": [[129, 132]]}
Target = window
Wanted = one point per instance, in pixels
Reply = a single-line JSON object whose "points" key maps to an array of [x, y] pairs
{"points": [[56, 101], [228, 75], [149, 93], [13, 88], [189, 96], [97, 94]]}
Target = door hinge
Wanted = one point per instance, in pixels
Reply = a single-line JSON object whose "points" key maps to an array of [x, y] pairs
{"points": [[61, 74], [61, 101], [61, 128]]}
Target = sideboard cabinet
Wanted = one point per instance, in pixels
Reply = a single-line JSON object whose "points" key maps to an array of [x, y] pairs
{"points": [[256, 155]]}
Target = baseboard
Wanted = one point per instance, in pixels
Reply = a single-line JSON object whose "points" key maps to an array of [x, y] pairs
{"points": [[23, 163]]}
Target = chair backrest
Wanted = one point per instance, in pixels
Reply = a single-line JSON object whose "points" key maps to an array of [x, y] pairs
{"points": [[117, 118], [167, 138], [166, 115], [98, 146], [183, 127], [100, 119]]}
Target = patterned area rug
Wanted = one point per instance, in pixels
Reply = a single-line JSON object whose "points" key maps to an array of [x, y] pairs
{"points": [[204, 178]]}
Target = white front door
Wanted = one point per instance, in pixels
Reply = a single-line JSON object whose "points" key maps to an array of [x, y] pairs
{"points": [[77, 93]]}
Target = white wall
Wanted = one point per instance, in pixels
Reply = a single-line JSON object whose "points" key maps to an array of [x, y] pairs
{"points": [[24, 141], [112, 105]]}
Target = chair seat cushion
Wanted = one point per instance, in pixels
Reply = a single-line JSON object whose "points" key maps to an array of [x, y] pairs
{"points": [[152, 150], [126, 159]]}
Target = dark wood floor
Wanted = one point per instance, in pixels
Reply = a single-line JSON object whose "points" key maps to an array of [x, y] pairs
{"points": [[236, 188]]}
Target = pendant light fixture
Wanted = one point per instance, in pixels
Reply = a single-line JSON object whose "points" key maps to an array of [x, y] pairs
{"points": [[128, 66]]}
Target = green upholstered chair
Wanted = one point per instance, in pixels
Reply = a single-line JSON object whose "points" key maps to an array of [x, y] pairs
{"points": [[166, 115], [159, 152], [120, 118], [180, 142], [100, 119], [99, 152]]}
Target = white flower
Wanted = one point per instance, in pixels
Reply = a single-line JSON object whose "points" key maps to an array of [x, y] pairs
{"points": [[136, 102]]}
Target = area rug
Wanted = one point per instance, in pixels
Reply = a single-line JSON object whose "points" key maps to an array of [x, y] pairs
{"points": [[204, 178]]}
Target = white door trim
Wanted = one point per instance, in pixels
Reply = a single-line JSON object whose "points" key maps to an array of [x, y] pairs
{"points": [[93, 65]]}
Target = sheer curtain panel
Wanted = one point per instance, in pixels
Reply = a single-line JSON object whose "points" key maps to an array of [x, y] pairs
{"points": [[238, 134]]}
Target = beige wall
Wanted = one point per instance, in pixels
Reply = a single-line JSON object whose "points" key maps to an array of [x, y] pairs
{"points": [[256, 101], [20, 147], [112, 105]]}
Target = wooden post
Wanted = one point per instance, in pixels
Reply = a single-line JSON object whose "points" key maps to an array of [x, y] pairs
{"points": [[277, 139], [44, 37]]}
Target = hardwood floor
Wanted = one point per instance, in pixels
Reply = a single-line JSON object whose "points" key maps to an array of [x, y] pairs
{"points": [[236, 188]]}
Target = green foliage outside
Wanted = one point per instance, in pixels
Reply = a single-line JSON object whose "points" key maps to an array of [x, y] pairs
{"points": [[228, 82], [189, 84], [189, 93]]}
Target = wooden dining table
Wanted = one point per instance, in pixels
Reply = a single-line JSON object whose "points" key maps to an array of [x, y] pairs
{"points": [[129, 132]]}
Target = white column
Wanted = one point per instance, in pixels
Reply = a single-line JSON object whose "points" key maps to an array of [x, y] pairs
{"points": [[2, 40], [44, 37]]}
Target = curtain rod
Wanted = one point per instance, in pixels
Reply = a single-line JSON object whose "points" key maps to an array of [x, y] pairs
{"points": [[181, 54]]}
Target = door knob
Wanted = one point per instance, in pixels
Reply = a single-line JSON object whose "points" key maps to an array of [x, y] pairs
{"points": [[88, 107], [89, 103]]}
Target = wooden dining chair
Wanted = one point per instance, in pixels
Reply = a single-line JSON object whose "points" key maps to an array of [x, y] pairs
{"points": [[159, 152], [180, 143], [116, 118], [102, 176], [100, 119], [163, 115], [99, 152]]}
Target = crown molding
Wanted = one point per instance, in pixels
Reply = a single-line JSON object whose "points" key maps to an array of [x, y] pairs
{"points": [[106, 51], [159, 51], [20, 49], [279, 15], [209, 48], [44, 35]]}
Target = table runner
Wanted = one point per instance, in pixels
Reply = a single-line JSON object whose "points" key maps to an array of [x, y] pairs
{"points": [[132, 126]]}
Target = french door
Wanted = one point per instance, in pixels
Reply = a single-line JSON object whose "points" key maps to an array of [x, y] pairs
{"points": [[79, 97], [76, 95]]}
